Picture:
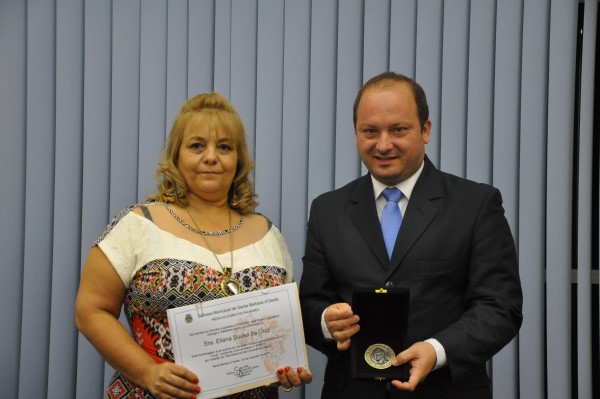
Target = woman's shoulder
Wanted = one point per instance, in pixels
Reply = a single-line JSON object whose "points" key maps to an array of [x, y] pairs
{"points": [[137, 208], [146, 208], [259, 220]]}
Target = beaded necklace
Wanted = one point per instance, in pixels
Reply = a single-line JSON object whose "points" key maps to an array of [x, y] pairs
{"points": [[203, 232]]}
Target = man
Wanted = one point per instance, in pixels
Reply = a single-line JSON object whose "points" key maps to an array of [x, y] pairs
{"points": [[454, 251]]}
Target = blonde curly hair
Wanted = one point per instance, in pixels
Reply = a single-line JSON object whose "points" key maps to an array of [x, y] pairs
{"points": [[170, 183]]}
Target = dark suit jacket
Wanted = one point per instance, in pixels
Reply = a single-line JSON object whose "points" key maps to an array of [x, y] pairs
{"points": [[455, 253]]}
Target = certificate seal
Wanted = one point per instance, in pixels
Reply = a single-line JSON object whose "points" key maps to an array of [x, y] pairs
{"points": [[379, 356]]}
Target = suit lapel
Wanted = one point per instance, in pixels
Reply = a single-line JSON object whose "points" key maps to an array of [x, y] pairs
{"points": [[419, 213], [364, 217]]}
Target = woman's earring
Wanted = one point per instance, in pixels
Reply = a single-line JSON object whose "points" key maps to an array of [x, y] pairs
{"points": [[168, 197], [234, 201]]}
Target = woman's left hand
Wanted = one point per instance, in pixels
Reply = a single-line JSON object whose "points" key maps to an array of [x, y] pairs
{"points": [[289, 378]]}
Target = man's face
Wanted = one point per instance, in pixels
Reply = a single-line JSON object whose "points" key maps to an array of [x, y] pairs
{"points": [[388, 133]]}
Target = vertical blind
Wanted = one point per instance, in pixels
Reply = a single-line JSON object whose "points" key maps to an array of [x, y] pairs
{"points": [[89, 89]]}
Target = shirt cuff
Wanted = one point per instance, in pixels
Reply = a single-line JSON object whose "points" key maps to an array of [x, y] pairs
{"points": [[324, 329], [440, 353]]}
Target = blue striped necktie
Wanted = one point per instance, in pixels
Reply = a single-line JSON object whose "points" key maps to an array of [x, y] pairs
{"points": [[391, 218]]}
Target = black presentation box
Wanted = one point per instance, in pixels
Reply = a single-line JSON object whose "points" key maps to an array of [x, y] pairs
{"points": [[383, 320]]}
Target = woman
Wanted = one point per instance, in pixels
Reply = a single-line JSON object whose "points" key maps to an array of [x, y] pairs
{"points": [[195, 240]]}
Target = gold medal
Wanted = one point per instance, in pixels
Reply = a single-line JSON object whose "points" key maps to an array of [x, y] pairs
{"points": [[230, 286], [379, 356]]}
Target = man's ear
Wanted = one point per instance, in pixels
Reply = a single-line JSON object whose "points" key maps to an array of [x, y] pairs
{"points": [[426, 131]]}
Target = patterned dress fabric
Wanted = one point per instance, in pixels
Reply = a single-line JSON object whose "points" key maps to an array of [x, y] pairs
{"points": [[162, 271]]}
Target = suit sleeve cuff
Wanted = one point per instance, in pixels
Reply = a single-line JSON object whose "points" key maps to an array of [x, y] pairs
{"points": [[440, 353]]}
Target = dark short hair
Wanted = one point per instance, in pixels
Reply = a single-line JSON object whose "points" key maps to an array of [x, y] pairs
{"points": [[389, 77]]}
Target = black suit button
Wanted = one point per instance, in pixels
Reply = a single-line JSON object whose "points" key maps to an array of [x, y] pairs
{"points": [[389, 284]]}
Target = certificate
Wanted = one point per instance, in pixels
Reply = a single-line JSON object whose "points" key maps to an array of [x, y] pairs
{"points": [[239, 342]]}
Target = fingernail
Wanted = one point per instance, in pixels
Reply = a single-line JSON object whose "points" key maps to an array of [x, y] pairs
{"points": [[280, 371], [299, 370], [197, 389], [287, 368], [196, 381], [193, 397]]}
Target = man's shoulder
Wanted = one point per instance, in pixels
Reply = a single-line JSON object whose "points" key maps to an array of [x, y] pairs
{"points": [[346, 191], [462, 187], [463, 181], [436, 176]]}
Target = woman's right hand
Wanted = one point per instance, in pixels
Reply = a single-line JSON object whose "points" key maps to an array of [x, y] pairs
{"points": [[97, 309], [170, 381]]}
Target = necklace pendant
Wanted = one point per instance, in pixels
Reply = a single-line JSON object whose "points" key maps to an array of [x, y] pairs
{"points": [[230, 286]]}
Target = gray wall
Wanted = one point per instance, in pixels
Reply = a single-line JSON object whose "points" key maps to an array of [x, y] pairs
{"points": [[88, 90]]}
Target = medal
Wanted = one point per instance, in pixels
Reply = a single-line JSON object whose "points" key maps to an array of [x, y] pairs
{"points": [[379, 356], [229, 285]]}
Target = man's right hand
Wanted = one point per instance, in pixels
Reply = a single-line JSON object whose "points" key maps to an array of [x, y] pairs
{"points": [[342, 324]]}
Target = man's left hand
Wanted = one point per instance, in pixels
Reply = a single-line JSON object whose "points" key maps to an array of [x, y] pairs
{"points": [[422, 358]]}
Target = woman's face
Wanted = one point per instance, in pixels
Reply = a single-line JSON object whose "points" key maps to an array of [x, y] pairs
{"points": [[207, 159]]}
